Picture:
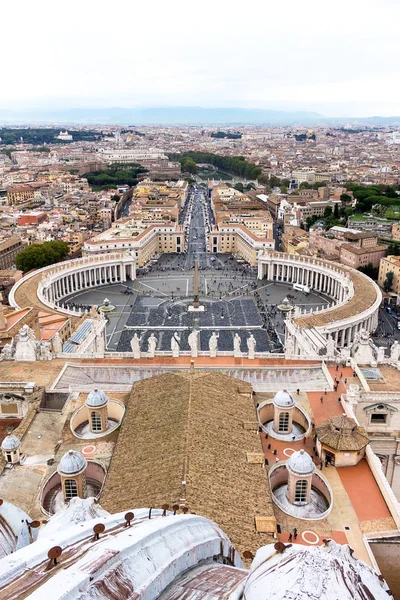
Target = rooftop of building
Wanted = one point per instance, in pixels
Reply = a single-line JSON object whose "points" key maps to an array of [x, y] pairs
{"points": [[190, 446]]}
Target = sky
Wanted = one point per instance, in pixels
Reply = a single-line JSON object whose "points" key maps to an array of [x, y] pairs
{"points": [[338, 58]]}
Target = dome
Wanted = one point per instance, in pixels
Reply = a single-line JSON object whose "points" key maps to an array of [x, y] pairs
{"points": [[283, 399], [300, 463], [72, 463], [10, 442], [96, 398]]}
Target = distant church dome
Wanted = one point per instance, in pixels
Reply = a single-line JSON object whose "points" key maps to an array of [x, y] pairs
{"points": [[72, 463], [96, 398], [10, 442], [300, 463], [283, 399]]}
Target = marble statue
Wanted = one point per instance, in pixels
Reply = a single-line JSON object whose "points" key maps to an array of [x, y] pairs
{"points": [[380, 357], [237, 341], [175, 347], [362, 351], [100, 343], [251, 346], [152, 344], [193, 341], [45, 351], [330, 346], [57, 344], [8, 351], [213, 344], [395, 351], [26, 345], [289, 346], [135, 345]]}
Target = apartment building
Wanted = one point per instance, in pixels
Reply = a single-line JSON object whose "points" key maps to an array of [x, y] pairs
{"points": [[20, 194], [9, 249], [390, 264]]}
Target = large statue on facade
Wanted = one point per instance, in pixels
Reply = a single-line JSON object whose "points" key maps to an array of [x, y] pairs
{"points": [[330, 346], [362, 350], [175, 347], [45, 351], [237, 342], [193, 341], [152, 345], [26, 345], [57, 343], [395, 351], [8, 351], [135, 345], [251, 346], [213, 344]]}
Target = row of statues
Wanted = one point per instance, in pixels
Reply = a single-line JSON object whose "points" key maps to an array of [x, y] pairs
{"points": [[27, 348], [194, 345]]}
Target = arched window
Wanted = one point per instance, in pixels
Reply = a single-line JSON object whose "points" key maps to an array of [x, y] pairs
{"points": [[71, 490], [283, 422], [96, 421], [300, 494]]}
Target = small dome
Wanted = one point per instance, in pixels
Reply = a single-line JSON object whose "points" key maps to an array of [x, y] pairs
{"points": [[10, 442], [72, 463], [283, 399], [96, 398], [300, 463]]}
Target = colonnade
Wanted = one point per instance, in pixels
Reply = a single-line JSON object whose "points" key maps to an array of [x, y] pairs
{"points": [[327, 278], [80, 274]]}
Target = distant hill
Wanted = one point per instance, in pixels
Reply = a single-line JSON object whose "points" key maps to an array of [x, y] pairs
{"points": [[180, 116]]}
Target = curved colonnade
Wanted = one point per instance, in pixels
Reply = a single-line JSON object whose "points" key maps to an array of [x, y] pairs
{"points": [[355, 296], [71, 276]]}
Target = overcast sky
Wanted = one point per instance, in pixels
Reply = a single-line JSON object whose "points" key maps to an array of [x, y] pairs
{"points": [[338, 58]]}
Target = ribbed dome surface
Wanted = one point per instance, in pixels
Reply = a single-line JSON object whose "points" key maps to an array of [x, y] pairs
{"points": [[10, 442], [72, 463], [300, 463], [96, 398], [283, 399]]}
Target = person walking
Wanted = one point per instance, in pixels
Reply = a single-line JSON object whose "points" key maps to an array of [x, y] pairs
{"points": [[322, 399], [290, 537]]}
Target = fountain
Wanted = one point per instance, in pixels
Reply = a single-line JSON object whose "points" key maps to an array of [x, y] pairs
{"points": [[285, 307], [106, 307]]}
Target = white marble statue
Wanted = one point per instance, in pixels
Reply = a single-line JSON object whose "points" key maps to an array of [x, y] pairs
{"points": [[45, 351], [251, 346], [175, 347], [57, 343], [135, 345], [100, 344], [289, 345], [395, 351], [152, 344], [213, 344], [8, 351], [330, 346], [26, 345], [237, 341], [362, 351], [193, 341], [380, 357]]}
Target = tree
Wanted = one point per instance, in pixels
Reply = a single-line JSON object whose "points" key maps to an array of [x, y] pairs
{"points": [[304, 185], [328, 211], [336, 211], [370, 270], [345, 198], [37, 256], [388, 283]]}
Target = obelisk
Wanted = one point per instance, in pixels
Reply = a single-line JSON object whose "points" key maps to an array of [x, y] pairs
{"points": [[196, 285]]}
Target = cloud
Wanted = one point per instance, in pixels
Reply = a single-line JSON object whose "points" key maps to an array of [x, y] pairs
{"points": [[307, 54]]}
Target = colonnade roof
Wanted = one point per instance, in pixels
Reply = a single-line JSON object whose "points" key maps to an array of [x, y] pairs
{"points": [[364, 297]]}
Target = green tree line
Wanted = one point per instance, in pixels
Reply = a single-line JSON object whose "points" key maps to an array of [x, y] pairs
{"points": [[236, 165], [114, 175], [37, 256], [39, 136]]}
